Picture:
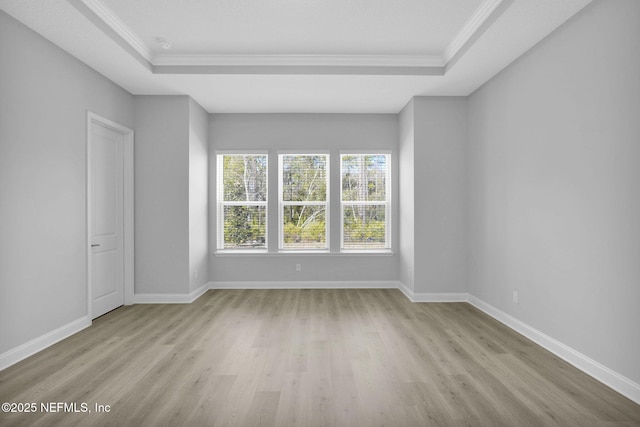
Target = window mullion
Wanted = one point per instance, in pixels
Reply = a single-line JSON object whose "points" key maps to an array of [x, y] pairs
{"points": [[242, 203], [314, 203]]}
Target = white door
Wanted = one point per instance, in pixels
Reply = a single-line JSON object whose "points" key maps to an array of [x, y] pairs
{"points": [[107, 219]]}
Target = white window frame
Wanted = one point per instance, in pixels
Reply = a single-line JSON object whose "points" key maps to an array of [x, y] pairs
{"points": [[282, 203], [221, 203], [386, 203]]}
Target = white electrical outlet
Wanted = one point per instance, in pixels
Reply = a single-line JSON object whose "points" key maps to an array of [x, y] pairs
{"points": [[516, 299], [298, 267]]}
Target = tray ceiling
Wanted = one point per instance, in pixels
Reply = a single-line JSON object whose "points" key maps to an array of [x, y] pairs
{"points": [[353, 56]]}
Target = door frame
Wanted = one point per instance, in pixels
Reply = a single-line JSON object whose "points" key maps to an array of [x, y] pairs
{"points": [[128, 218]]}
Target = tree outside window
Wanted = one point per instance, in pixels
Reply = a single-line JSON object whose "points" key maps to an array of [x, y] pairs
{"points": [[303, 201], [365, 201], [242, 201]]}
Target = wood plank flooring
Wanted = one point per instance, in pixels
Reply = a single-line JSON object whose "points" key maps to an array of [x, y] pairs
{"points": [[307, 358]]}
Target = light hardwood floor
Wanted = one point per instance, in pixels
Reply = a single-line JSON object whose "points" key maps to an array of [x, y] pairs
{"points": [[307, 358]]}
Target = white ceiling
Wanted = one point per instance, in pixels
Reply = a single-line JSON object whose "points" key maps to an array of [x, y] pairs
{"points": [[342, 56], [302, 27]]}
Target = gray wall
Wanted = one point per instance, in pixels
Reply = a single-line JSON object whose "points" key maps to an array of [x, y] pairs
{"points": [[303, 131], [406, 196], [433, 223], [162, 194], [440, 133], [198, 195], [44, 96], [554, 172]]}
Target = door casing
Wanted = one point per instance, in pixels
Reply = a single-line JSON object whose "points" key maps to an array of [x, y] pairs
{"points": [[128, 201]]}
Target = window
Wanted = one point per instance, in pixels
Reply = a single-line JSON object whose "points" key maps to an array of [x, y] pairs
{"points": [[242, 201], [305, 214], [365, 201], [303, 200]]}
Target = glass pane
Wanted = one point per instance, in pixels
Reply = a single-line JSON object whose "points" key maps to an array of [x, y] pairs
{"points": [[364, 227], [304, 178], [364, 177], [304, 227], [245, 178], [245, 227]]}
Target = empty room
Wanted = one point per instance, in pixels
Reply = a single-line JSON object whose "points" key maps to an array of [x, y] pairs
{"points": [[320, 213]]}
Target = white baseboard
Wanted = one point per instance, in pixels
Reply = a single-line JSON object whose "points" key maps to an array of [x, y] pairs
{"points": [[433, 296], [440, 297], [171, 298], [198, 292], [406, 291], [616, 381], [30, 348], [364, 284]]}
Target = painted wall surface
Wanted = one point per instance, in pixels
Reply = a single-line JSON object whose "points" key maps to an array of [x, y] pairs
{"points": [[162, 194], [44, 97], [440, 222], [406, 196], [304, 132], [198, 195], [554, 172]]}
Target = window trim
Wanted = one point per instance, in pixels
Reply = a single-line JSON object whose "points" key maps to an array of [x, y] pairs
{"points": [[221, 203], [387, 203], [282, 203]]}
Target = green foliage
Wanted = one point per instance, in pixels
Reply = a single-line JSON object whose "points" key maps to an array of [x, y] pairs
{"points": [[365, 234], [364, 226], [304, 226], [244, 226]]}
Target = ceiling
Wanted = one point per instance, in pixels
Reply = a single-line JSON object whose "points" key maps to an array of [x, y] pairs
{"points": [[333, 56]]}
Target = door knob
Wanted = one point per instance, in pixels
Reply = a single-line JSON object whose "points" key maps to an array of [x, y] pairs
{"points": [[95, 244]]}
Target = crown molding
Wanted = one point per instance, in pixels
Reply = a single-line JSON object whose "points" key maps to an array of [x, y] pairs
{"points": [[116, 24], [290, 64], [479, 17], [300, 60], [299, 70]]}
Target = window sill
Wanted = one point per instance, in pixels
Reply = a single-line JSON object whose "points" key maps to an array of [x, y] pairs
{"points": [[261, 253]]}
